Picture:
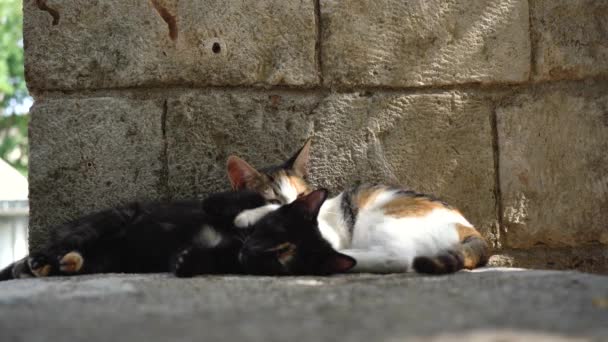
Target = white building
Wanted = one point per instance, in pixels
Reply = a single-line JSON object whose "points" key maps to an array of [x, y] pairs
{"points": [[14, 212]]}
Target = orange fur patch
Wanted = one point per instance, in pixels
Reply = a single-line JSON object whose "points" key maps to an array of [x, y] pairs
{"points": [[286, 252], [71, 262], [410, 206], [240, 173], [42, 271], [465, 232], [367, 196], [471, 259], [299, 184]]}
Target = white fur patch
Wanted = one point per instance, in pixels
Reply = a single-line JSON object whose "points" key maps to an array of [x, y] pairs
{"points": [[249, 217], [209, 237], [376, 261], [287, 191], [332, 224], [407, 237]]}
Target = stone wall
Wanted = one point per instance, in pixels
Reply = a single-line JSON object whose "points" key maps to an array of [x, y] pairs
{"points": [[498, 106]]}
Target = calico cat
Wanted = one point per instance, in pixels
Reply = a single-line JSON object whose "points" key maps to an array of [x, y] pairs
{"points": [[188, 238], [385, 229]]}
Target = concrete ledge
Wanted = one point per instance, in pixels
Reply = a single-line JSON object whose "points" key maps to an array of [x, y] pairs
{"points": [[493, 303]]}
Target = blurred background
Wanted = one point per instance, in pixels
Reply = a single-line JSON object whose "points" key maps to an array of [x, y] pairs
{"points": [[14, 117]]}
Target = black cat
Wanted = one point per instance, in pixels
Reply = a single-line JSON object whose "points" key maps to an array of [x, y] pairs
{"points": [[189, 238], [288, 241]]}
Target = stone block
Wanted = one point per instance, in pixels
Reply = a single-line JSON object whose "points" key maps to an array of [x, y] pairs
{"points": [[553, 144], [91, 44], [89, 154], [570, 38], [398, 43], [434, 143], [204, 128]]}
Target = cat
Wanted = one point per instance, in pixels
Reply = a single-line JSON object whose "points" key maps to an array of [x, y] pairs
{"points": [[287, 241], [385, 229], [188, 238]]}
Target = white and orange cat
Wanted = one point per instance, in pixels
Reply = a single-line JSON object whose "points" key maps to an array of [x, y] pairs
{"points": [[385, 229]]}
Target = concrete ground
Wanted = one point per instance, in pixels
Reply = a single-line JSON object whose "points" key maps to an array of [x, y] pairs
{"points": [[493, 304]]}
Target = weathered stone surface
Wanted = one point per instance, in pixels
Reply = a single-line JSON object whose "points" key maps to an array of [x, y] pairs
{"points": [[418, 43], [435, 143], [554, 166], [88, 154], [491, 305], [570, 38], [591, 258], [115, 43], [204, 128]]}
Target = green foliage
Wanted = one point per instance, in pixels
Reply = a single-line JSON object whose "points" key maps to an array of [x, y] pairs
{"points": [[13, 128], [12, 81], [13, 141]]}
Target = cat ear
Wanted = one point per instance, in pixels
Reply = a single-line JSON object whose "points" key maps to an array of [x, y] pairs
{"points": [[338, 263], [239, 172], [312, 202], [299, 161]]}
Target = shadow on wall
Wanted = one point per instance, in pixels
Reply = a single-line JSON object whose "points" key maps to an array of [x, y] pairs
{"points": [[14, 214]]}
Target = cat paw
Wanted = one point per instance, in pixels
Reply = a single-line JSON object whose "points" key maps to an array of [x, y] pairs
{"points": [[244, 219], [39, 265], [248, 217], [444, 263], [71, 262], [182, 267]]}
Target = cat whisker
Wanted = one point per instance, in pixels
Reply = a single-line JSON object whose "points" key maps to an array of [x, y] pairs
{"points": [[242, 236]]}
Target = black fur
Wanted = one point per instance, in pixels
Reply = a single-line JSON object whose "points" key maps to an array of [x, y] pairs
{"points": [[293, 224], [448, 262], [7, 273], [161, 237], [476, 248], [147, 237], [349, 208]]}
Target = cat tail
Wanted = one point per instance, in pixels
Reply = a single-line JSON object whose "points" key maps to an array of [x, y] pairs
{"points": [[18, 269], [472, 252]]}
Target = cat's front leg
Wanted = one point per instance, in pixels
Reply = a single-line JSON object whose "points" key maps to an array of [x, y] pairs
{"points": [[248, 217], [44, 264], [192, 261], [376, 261], [184, 263], [195, 260], [71, 262]]}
